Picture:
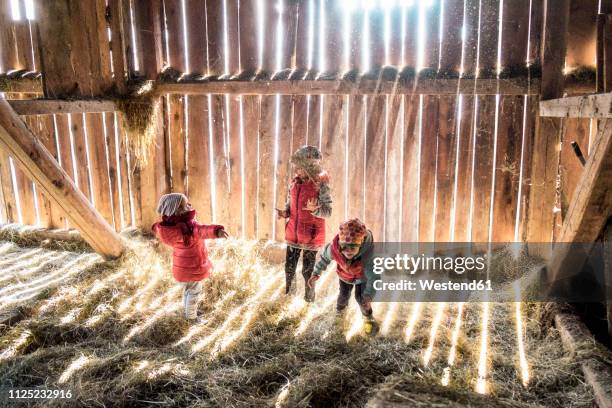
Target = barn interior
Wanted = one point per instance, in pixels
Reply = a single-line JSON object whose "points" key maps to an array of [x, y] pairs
{"points": [[477, 121]]}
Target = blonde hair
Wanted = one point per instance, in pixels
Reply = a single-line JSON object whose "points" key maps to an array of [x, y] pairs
{"points": [[170, 203]]}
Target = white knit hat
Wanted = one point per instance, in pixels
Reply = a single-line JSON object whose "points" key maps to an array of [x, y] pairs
{"points": [[169, 203]]}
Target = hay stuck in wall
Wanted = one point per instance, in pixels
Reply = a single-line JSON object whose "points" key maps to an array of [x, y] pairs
{"points": [[139, 113]]}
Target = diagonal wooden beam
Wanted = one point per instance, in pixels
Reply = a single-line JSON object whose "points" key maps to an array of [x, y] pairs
{"points": [[42, 168], [590, 207], [597, 106]]}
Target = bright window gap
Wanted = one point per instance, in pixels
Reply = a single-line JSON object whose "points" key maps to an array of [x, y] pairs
{"points": [[211, 161]]}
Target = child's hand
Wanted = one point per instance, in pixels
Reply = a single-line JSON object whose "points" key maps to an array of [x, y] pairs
{"points": [[311, 205], [221, 233], [312, 280], [281, 213]]}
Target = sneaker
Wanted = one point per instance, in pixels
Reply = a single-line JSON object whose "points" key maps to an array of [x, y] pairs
{"points": [[370, 327], [309, 295]]}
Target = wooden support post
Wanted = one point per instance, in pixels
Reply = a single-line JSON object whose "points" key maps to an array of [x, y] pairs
{"points": [[546, 144], [590, 207], [40, 165]]}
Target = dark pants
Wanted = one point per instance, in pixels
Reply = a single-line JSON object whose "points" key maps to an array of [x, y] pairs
{"points": [[308, 262], [345, 294]]}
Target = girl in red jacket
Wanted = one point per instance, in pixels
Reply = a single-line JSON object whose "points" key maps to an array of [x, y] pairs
{"points": [[180, 230], [308, 204]]}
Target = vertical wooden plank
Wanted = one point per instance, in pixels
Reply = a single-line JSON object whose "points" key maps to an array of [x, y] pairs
{"points": [[125, 178], [427, 189], [80, 153], [119, 42], [64, 143], [303, 35], [356, 158], [483, 170], [176, 44], [99, 167], [528, 149], [470, 42], [112, 136], [333, 150], [582, 34], [198, 164], [283, 164], [8, 194], [394, 166], [251, 115], [507, 169], [334, 44], [546, 156], [266, 168], [234, 162], [410, 19], [489, 35], [148, 18], [177, 139], [356, 42], [450, 46], [9, 55], [410, 171], [376, 21], [445, 167], [514, 35], [233, 36], [26, 197], [248, 36], [196, 37], [393, 26], [432, 35], [214, 27], [536, 15], [375, 166], [461, 232], [313, 135]]}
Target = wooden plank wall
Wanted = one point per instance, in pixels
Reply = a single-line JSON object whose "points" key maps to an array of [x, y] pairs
{"points": [[413, 167]]}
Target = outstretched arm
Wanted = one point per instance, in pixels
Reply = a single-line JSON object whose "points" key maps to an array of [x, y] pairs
{"points": [[211, 231]]}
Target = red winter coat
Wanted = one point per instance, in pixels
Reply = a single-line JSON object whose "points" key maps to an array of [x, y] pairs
{"points": [[303, 228], [346, 270], [190, 262]]}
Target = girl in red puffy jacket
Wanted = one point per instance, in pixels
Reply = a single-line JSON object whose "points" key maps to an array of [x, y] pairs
{"points": [[308, 204], [180, 230]]}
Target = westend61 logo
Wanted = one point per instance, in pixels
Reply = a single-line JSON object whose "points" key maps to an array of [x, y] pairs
{"points": [[412, 264]]}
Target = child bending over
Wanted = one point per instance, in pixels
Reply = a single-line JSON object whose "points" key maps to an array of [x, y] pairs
{"points": [[349, 249]]}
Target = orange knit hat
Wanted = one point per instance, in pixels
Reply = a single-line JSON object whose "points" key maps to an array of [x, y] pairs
{"points": [[352, 231]]}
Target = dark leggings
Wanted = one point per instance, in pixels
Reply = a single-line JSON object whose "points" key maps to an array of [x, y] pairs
{"points": [[308, 262], [345, 294]]}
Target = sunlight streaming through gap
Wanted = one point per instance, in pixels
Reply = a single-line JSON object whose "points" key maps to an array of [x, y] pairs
{"points": [[185, 36], [412, 321], [521, 346], [279, 35], [481, 383], [453, 350], [15, 11], [365, 42], [433, 333]]}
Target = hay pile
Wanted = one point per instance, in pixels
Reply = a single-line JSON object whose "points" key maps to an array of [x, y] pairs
{"points": [[114, 335]]}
